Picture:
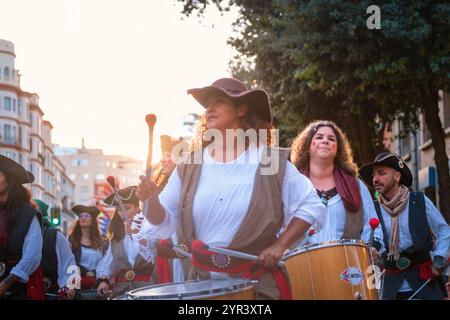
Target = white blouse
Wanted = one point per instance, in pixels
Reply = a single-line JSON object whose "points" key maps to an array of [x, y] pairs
{"points": [[333, 228], [31, 252], [90, 257], [223, 195]]}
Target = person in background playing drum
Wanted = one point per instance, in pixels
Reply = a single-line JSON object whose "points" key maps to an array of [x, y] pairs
{"points": [[406, 218], [322, 152], [20, 236], [168, 267], [123, 261], [227, 201], [57, 258]]}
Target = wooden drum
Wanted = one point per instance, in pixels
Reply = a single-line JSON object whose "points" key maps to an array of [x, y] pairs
{"points": [[336, 270]]}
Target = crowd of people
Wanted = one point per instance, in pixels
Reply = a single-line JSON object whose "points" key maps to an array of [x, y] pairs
{"points": [[228, 199]]}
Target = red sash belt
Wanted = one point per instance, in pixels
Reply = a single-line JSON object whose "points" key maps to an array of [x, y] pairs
{"points": [[425, 271], [210, 261], [87, 282], [35, 285], [162, 266]]}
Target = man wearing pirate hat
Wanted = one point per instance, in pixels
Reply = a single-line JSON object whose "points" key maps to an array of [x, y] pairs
{"points": [[20, 235], [57, 258], [123, 261], [406, 218]]}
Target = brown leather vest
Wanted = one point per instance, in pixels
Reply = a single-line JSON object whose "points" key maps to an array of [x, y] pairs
{"points": [[264, 217]]}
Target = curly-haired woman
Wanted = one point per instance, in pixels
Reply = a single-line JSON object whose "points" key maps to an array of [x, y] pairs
{"points": [[322, 152]]}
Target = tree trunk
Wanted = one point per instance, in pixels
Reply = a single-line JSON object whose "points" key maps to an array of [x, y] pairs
{"points": [[430, 109], [355, 126]]}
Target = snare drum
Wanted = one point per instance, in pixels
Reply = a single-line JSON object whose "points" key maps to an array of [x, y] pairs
{"points": [[336, 270], [230, 289]]}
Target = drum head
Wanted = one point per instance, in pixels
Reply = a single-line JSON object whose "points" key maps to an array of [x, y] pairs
{"points": [[320, 245], [190, 289]]}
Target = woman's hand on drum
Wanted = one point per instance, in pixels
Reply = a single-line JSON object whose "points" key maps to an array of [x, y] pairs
{"points": [[147, 189], [270, 256], [102, 289]]}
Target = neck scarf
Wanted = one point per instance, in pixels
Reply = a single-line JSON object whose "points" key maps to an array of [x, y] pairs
{"points": [[394, 207]]}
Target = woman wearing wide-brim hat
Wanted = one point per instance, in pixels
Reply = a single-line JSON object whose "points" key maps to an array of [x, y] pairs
{"points": [[88, 245], [20, 235], [229, 199]]}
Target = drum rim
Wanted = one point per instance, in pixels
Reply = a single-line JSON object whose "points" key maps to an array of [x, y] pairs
{"points": [[324, 244], [244, 285]]}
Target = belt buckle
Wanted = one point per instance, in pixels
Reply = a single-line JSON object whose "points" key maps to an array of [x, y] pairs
{"points": [[90, 274], [130, 275], [2, 269], [402, 263]]}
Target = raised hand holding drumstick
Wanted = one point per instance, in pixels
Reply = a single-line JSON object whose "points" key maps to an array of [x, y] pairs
{"points": [[147, 190]]}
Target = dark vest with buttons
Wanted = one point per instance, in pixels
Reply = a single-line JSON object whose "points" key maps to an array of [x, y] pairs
{"points": [[417, 223], [49, 258]]}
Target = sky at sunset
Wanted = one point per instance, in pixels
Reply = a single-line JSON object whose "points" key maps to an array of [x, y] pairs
{"points": [[100, 66]]}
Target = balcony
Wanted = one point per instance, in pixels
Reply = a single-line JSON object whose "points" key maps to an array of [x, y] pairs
{"points": [[10, 142]]}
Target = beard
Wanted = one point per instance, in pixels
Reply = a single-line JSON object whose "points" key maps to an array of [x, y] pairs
{"points": [[386, 187]]}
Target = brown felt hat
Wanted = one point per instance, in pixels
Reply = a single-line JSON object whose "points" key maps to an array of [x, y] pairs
{"points": [[14, 170], [391, 160], [257, 99]]}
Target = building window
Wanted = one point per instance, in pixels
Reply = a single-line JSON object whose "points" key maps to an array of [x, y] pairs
{"points": [[6, 73], [9, 154], [7, 138], [7, 103], [85, 189], [73, 176], [19, 138], [100, 177], [404, 141], [14, 134], [14, 105], [19, 106], [446, 102], [86, 176], [425, 132], [80, 163]]}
